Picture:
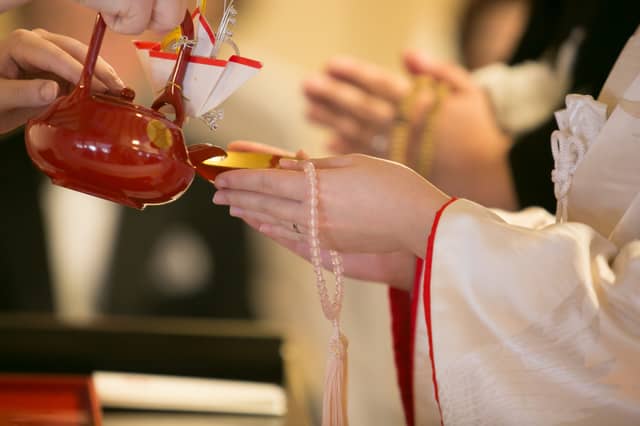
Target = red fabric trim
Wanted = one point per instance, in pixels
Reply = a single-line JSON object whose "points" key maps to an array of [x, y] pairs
{"points": [[427, 299], [404, 310], [403, 327], [400, 304], [245, 61]]}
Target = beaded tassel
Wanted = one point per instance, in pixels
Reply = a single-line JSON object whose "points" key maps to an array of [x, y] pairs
{"points": [[334, 402]]}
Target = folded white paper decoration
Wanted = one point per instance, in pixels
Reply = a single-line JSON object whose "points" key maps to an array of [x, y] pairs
{"points": [[208, 81]]}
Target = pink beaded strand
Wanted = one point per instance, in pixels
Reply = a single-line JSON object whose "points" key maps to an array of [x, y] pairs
{"points": [[334, 403]]}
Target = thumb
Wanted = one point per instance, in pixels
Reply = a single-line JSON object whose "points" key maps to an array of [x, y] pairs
{"points": [[27, 93], [419, 63]]}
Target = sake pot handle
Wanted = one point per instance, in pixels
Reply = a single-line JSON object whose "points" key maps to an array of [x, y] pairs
{"points": [[92, 55], [172, 94], [93, 52]]}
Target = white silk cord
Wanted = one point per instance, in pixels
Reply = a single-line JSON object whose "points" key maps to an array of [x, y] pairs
{"points": [[567, 152], [334, 402], [579, 125]]}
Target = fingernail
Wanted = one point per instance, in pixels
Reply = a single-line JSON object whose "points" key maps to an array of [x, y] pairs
{"points": [[288, 163], [48, 91], [219, 198], [236, 211], [120, 83], [220, 182], [117, 79]]}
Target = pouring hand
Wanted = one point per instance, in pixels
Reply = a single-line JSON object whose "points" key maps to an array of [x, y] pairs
{"points": [[135, 16], [36, 67]]}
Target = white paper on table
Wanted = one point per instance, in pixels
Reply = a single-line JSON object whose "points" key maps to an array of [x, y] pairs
{"points": [[158, 392]]}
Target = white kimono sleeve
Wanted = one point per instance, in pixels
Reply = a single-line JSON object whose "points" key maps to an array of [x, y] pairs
{"points": [[522, 326]]}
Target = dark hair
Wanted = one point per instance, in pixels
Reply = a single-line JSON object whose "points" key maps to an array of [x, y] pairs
{"points": [[607, 25]]}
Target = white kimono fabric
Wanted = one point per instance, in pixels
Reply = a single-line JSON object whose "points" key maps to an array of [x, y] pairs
{"points": [[517, 320], [524, 326]]}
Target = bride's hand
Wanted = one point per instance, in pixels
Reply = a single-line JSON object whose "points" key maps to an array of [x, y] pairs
{"points": [[395, 269], [366, 205]]}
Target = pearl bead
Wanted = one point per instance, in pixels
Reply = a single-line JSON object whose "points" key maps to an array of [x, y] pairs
{"points": [[330, 308]]}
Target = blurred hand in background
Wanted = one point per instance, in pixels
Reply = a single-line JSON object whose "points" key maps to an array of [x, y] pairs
{"points": [[357, 101], [360, 104]]}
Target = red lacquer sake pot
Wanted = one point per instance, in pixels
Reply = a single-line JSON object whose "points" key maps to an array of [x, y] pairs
{"points": [[107, 146]]}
